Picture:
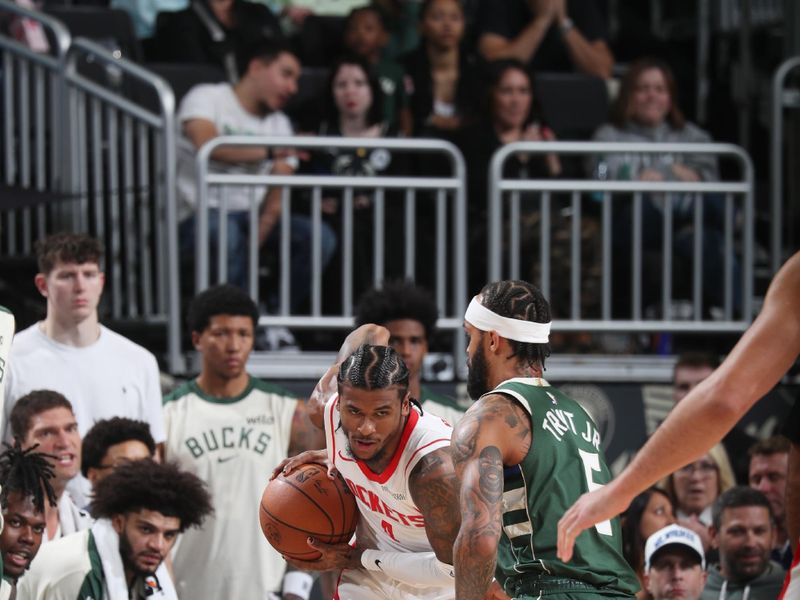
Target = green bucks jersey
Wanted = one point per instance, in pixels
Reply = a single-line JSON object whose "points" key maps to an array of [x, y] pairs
{"points": [[565, 460]]}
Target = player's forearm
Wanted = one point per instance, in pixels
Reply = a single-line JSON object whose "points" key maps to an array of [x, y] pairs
{"points": [[793, 497], [589, 58], [240, 154], [474, 555], [366, 334], [420, 569], [523, 47]]}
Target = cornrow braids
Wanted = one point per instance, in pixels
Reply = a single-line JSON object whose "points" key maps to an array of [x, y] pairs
{"points": [[521, 300], [28, 473], [374, 367]]}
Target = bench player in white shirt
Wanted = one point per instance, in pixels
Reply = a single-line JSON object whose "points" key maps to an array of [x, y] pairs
{"points": [[396, 459]]}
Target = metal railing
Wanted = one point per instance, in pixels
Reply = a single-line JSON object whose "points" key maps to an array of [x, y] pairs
{"points": [[542, 193], [447, 194], [122, 171], [33, 128], [781, 98]]}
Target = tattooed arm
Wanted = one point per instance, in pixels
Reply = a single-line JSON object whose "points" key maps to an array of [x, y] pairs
{"points": [[494, 432], [434, 488], [304, 435], [326, 386]]}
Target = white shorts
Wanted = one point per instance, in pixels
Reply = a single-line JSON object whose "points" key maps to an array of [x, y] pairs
{"points": [[368, 585]]}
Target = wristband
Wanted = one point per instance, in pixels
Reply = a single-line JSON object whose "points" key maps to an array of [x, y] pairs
{"points": [[297, 583]]}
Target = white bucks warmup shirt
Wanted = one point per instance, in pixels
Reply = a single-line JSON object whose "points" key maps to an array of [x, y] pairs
{"points": [[233, 444]]}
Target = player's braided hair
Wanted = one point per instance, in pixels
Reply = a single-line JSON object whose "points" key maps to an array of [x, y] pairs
{"points": [[28, 473], [519, 300], [398, 300], [374, 367]]}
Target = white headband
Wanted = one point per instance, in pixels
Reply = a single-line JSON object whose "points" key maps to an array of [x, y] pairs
{"points": [[513, 329]]}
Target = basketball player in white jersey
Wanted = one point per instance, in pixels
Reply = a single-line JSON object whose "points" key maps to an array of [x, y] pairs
{"points": [[395, 458], [231, 429]]}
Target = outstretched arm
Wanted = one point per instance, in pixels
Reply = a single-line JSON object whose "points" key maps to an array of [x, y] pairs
{"points": [[764, 353], [491, 433]]}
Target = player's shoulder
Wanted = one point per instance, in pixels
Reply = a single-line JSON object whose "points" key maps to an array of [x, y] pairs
{"points": [[183, 391], [27, 339], [267, 387], [120, 344]]}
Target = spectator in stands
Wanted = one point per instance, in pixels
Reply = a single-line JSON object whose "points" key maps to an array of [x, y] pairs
{"points": [[769, 464], [649, 512], [25, 481], [695, 487], [102, 373], [140, 508], [409, 313], [646, 111], [114, 442], [546, 35], [251, 107], [231, 429], [444, 79], [365, 35], [44, 418], [509, 117], [675, 566], [690, 369], [214, 32], [744, 531]]}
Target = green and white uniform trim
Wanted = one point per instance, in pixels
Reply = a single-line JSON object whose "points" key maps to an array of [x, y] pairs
{"points": [[233, 444], [440, 405], [565, 460]]}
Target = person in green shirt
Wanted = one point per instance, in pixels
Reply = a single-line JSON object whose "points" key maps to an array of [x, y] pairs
{"points": [[524, 452]]}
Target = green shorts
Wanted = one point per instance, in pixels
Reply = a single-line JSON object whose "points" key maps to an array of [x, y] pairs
{"points": [[558, 588]]}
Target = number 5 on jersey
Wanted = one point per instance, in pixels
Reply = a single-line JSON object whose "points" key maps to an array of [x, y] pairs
{"points": [[591, 462]]}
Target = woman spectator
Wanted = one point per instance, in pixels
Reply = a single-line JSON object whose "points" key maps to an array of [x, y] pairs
{"points": [[354, 109], [509, 116], [213, 32], [694, 488], [650, 511], [444, 79], [646, 111]]}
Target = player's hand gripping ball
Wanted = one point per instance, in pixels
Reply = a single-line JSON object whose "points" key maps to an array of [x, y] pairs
{"points": [[307, 503]]}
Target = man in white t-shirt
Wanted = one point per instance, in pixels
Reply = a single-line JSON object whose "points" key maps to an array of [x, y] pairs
{"points": [[102, 374], [251, 107]]}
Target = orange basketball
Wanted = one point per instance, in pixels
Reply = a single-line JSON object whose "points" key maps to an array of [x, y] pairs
{"points": [[306, 503]]}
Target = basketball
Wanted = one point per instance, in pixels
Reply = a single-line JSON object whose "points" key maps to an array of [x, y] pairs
{"points": [[306, 503]]}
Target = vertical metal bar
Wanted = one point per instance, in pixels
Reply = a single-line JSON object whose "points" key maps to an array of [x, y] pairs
{"points": [[606, 311], [460, 255], [129, 237], [252, 245], [96, 131], [575, 293], [40, 122], [378, 239], [749, 219], [286, 251], [347, 252], [728, 249], [112, 143], [514, 225], [544, 245], [25, 144], [495, 210], [58, 124], [666, 261], [410, 206], [222, 235], [162, 231], [441, 251], [145, 243], [10, 164], [79, 139], [697, 262], [636, 250], [316, 252]]}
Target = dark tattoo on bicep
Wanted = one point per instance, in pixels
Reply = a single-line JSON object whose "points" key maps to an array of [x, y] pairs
{"points": [[434, 487], [491, 474]]}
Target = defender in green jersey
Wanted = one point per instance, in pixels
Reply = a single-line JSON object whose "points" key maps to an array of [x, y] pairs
{"points": [[524, 453]]}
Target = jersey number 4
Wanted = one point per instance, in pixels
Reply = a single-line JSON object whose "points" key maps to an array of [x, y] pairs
{"points": [[591, 463]]}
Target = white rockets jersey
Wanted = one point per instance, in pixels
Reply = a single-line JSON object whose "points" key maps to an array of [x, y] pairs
{"points": [[389, 518], [233, 444]]}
